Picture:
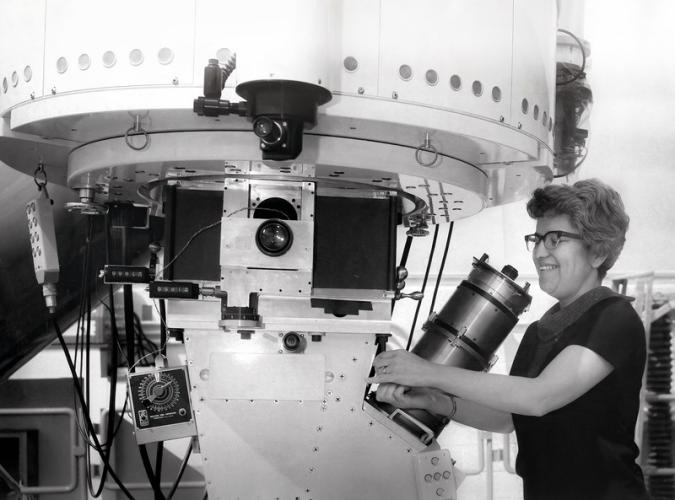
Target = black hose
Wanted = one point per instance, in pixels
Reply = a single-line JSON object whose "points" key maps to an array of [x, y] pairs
{"points": [[440, 269], [424, 285]]}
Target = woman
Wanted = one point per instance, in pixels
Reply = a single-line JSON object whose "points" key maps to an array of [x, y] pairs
{"points": [[572, 395]]}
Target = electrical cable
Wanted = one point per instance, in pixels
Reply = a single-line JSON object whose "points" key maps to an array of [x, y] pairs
{"points": [[424, 284], [580, 73], [85, 409], [440, 270], [181, 470], [206, 228], [162, 342], [406, 251], [130, 340]]}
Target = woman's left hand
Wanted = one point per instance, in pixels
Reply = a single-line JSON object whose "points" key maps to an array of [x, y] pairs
{"points": [[400, 367]]}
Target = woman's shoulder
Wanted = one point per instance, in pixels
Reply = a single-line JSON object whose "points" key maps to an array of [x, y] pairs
{"points": [[617, 309]]}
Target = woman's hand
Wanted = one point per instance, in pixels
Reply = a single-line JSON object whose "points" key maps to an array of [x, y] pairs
{"points": [[401, 367], [425, 398]]}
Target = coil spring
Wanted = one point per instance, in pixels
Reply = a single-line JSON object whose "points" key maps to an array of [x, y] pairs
{"points": [[229, 66], [659, 423]]}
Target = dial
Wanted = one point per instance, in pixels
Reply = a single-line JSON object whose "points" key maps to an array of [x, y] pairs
{"points": [[159, 395]]}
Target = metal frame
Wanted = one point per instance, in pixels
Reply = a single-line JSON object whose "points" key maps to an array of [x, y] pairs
{"points": [[76, 455]]}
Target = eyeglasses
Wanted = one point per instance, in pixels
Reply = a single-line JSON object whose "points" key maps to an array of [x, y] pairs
{"points": [[551, 239]]}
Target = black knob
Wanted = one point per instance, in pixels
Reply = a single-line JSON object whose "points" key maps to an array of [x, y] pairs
{"points": [[510, 271]]}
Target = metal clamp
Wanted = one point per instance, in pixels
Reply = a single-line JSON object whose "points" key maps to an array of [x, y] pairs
{"points": [[428, 436], [426, 147], [137, 130]]}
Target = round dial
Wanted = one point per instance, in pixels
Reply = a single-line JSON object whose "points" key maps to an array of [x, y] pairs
{"points": [[159, 395]]}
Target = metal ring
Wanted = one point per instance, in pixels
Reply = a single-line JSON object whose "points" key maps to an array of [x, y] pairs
{"points": [[137, 132], [428, 148]]}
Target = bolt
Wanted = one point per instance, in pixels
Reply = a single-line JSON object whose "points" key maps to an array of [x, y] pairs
{"points": [[361, 90], [501, 119], [175, 80], [319, 429], [338, 399], [394, 95], [32, 95], [53, 90], [520, 125], [316, 449]]}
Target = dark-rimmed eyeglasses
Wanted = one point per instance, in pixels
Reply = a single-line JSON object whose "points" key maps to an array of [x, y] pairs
{"points": [[551, 239]]}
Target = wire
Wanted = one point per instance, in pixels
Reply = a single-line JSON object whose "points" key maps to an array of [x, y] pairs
{"points": [[160, 273], [183, 465], [85, 409], [440, 270], [580, 73], [424, 284]]}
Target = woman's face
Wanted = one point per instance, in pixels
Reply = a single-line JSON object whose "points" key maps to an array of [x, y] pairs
{"points": [[569, 270]]}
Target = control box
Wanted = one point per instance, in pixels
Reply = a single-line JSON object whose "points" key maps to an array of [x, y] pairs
{"points": [[43, 240], [160, 404]]}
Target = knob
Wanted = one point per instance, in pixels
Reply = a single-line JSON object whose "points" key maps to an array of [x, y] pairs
{"points": [[510, 271]]}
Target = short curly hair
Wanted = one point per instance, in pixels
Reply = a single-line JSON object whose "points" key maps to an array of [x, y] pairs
{"points": [[594, 208]]}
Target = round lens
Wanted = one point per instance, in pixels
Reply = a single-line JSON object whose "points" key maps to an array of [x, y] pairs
{"points": [[274, 238]]}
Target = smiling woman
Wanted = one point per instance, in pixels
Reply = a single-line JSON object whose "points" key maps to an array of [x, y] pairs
{"points": [[573, 391]]}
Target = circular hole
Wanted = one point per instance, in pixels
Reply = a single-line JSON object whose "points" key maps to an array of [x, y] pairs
{"points": [[5, 85], [15, 79], [455, 82], [550, 124], [496, 94], [136, 57], [276, 208], [27, 73], [524, 106], [535, 112], [165, 55], [477, 88], [61, 65], [544, 118], [109, 59], [431, 77], [84, 61], [350, 63], [405, 72]]}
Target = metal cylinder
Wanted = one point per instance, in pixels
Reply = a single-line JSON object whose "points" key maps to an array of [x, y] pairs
{"points": [[469, 329], [475, 321]]}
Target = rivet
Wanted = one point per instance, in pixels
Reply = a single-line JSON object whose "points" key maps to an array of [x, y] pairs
{"points": [[361, 90], [394, 95]]}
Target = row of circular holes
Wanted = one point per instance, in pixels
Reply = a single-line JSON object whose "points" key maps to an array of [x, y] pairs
{"points": [[431, 77], [165, 56]]}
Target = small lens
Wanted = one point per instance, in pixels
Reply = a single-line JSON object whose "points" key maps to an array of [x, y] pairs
{"points": [[274, 238]]}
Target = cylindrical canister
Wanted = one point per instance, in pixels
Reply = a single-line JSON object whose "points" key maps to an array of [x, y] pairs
{"points": [[470, 327]]}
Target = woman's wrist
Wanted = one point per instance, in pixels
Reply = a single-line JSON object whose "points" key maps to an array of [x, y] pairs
{"points": [[442, 404]]}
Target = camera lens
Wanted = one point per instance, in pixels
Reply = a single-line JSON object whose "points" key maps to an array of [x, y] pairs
{"points": [[274, 237], [270, 131]]}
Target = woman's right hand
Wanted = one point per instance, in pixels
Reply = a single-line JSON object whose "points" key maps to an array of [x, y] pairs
{"points": [[425, 398]]}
